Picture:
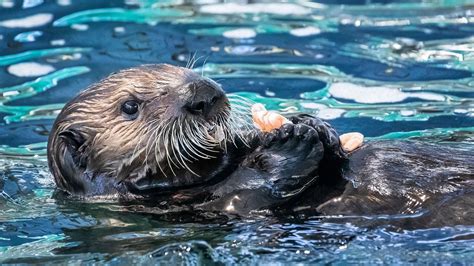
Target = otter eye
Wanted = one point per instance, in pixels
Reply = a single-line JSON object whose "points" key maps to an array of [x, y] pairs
{"points": [[130, 108]]}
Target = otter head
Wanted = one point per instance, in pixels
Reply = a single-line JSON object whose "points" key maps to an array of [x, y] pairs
{"points": [[157, 121]]}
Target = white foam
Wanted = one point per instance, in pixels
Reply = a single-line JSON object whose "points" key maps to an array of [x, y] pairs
{"points": [[269, 93], [31, 3], [323, 111], [316, 106], [376, 94], [7, 3], [80, 27], [10, 93], [29, 36], [30, 69], [306, 31], [460, 111], [407, 112], [269, 8], [427, 96], [132, 2], [241, 33], [28, 22], [330, 113], [119, 29], [64, 2], [59, 42]]}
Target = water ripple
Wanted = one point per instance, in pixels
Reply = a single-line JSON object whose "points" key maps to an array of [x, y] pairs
{"points": [[401, 70]]}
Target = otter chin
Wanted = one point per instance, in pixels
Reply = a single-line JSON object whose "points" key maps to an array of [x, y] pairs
{"points": [[166, 134]]}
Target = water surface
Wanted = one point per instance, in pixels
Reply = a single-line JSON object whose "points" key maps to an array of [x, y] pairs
{"points": [[389, 69]]}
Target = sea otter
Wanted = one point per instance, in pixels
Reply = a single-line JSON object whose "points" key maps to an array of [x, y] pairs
{"points": [[166, 135]]}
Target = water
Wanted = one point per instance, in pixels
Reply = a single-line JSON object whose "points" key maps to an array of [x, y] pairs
{"points": [[390, 69]]}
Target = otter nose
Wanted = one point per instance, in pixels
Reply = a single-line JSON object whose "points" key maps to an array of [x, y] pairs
{"points": [[205, 96]]}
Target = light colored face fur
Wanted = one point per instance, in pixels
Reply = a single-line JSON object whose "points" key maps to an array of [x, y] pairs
{"points": [[181, 118]]}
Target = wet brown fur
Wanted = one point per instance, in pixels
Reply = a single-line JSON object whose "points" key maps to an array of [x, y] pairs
{"points": [[114, 145]]}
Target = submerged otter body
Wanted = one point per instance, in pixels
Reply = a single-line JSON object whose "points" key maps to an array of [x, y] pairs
{"points": [[166, 135]]}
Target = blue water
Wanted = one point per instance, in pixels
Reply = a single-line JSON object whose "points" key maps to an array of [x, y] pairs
{"points": [[389, 69]]}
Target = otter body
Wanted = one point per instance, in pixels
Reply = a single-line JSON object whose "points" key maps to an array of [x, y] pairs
{"points": [[168, 136]]}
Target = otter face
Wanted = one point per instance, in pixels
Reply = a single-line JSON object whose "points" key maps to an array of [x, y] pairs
{"points": [[158, 121]]}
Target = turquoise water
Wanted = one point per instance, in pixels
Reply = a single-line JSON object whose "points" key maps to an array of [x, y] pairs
{"points": [[389, 69]]}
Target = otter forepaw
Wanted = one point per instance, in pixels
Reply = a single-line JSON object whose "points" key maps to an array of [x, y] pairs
{"points": [[300, 132], [289, 150], [326, 133], [278, 136]]}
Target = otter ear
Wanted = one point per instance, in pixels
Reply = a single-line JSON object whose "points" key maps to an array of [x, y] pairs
{"points": [[74, 141]]}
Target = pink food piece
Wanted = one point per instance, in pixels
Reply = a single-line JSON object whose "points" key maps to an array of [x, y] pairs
{"points": [[351, 141], [267, 120]]}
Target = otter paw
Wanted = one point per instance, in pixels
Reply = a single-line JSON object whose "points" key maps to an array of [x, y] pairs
{"points": [[291, 136], [278, 136], [326, 133], [288, 151]]}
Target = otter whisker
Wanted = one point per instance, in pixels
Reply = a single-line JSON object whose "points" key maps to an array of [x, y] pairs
{"points": [[176, 149], [199, 145], [192, 139], [203, 64], [167, 152], [184, 140], [221, 123], [239, 107], [148, 146], [182, 137], [186, 145], [230, 129], [239, 125], [235, 97], [240, 104], [190, 59], [153, 135], [160, 131], [195, 61], [180, 154], [146, 127], [171, 144], [242, 123], [203, 140]]}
